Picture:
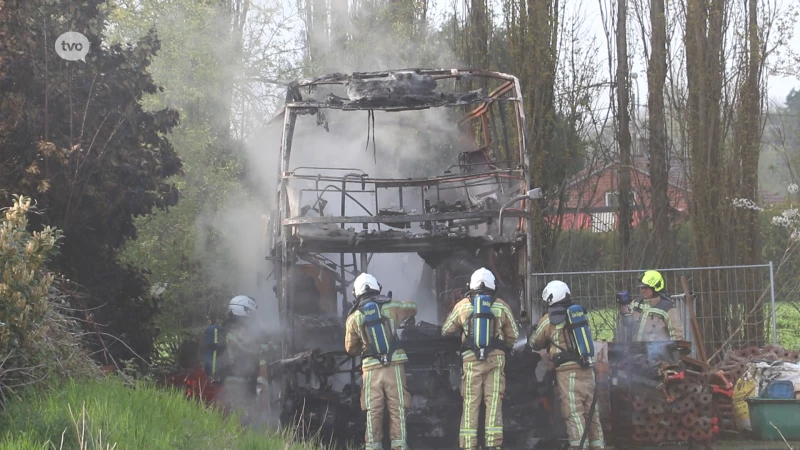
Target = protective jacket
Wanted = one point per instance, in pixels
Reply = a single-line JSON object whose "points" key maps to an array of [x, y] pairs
{"points": [[356, 339], [656, 319], [553, 338], [241, 350], [505, 326]]}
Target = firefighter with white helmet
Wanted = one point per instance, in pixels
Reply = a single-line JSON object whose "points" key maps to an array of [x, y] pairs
{"points": [[487, 327], [240, 354], [370, 331], [564, 333], [654, 316]]}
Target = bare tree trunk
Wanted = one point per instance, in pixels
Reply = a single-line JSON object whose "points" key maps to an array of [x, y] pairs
{"points": [[321, 34], [704, 20], [479, 35], [340, 27], [232, 17], [478, 29], [540, 69], [747, 139], [623, 135], [704, 66], [657, 127]]}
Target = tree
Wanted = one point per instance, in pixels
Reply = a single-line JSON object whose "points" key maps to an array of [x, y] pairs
{"points": [[75, 137], [657, 128], [623, 135], [703, 41], [187, 249]]}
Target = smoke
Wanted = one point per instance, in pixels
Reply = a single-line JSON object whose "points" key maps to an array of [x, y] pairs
{"points": [[388, 145], [403, 144]]}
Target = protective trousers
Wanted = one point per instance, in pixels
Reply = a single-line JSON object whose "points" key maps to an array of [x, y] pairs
{"points": [[482, 381], [239, 394], [575, 391], [385, 387]]}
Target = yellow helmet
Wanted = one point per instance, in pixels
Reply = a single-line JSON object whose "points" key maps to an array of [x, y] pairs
{"points": [[653, 279]]}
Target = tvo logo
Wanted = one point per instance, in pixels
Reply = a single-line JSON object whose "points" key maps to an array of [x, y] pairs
{"points": [[72, 46]]}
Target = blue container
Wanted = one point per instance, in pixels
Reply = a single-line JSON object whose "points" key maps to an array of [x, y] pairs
{"points": [[779, 390]]}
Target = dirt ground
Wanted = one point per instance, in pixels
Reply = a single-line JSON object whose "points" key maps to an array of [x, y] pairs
{"points": [[742, 445], [734, 445]]}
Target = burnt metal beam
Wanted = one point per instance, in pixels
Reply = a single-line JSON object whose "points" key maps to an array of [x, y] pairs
{"points": [[310, 107], [409, 182], [504, 88], [487, 214], [402, 244], [436, 74]]}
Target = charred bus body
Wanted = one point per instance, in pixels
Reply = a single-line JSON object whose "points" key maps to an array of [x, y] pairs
{"points": [[331, 221]]}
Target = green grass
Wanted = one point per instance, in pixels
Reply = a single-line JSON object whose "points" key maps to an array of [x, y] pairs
{"points": [[603, 321], [110, 415], [788, 318]]}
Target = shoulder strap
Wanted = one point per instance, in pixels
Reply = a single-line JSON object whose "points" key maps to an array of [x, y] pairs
{"points": [[664, 304]]}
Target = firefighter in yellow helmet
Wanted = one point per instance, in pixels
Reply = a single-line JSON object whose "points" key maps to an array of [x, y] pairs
{"points": [[575, 380], [487, 327], [370, 331], [654, 316]]}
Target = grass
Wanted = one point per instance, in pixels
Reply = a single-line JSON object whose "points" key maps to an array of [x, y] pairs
{"points": [[788, 318], [603, 321], [106, 414]]}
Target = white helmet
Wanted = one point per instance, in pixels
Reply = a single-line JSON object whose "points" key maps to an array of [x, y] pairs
{"points": [[364, 284], [554, 292], [482, 279], [241, 305]]}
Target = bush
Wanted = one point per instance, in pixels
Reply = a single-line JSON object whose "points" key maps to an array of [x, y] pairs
{"points": [[584, 250], [107, 414], [37, 341]]}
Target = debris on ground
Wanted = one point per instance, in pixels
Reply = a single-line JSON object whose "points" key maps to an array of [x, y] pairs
{"points": [[656, 399]]}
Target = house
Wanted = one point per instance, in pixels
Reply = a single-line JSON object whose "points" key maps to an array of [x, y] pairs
{"points": [[592, 196]]}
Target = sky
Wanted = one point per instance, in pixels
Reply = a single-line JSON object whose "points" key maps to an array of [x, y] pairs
{"points": [[778, 87]]}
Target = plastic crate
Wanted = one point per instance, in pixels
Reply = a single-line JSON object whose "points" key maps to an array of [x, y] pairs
{"points": [[784, 414], [779, 390]]}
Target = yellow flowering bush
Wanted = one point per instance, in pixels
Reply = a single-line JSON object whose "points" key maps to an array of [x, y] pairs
{"points": [[24, 281]]}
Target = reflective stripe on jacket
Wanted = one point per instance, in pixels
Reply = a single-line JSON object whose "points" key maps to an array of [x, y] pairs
{"points": [[355, 341]]}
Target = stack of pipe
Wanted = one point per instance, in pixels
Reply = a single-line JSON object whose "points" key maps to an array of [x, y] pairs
{"points": [[735, 362], [730, 369], [657, 399], [678, 410]]}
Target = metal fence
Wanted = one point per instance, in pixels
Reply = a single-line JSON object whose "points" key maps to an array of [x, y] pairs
{"points": [[734, 305]]}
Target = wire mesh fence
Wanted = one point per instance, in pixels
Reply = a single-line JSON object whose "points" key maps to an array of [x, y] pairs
{"points": [[734, 305]]}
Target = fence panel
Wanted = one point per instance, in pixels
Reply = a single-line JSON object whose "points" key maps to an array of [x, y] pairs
{"points": [[733, 304]]}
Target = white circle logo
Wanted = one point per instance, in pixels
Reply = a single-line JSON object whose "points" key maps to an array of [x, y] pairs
{"points": [[72, 46]]}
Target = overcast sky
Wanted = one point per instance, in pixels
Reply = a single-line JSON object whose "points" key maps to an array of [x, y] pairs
{"points": [[778, 86]]}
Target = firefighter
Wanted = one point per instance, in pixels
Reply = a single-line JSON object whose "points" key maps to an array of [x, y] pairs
{"points": [[371, 332], [488, 329], [240, 355], [654, 316], [575, 378]]}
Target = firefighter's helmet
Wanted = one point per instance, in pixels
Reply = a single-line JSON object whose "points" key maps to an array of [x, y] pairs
{"points": [[242, 305], [365, 284], [482, 279], [555, 291], [654, 280]]}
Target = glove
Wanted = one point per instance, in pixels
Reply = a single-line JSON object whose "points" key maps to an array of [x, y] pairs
{"points": [[624, 298]]}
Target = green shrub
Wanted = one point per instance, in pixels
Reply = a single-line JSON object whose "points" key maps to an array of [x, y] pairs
{"points": [[24, 282], [37, 342]]}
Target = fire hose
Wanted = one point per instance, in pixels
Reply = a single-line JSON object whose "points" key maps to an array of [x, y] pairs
{"points": [[589, 417]]}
